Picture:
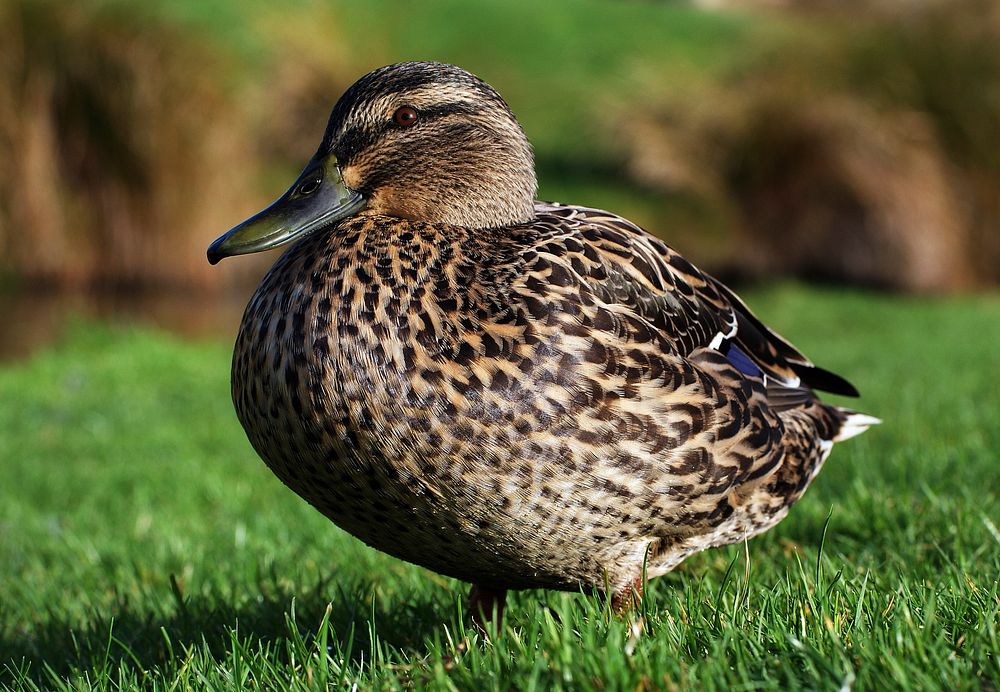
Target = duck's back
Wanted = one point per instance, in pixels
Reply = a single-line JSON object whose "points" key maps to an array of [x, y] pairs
{"points": [[526, 407]]}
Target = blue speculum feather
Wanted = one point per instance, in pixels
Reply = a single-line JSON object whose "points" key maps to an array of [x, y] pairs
{"points": [[741, 361]]}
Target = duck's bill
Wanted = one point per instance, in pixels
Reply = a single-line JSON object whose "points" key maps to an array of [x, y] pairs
{"points": [[317, 199]]}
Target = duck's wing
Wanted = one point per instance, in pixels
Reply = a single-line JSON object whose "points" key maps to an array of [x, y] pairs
{"points": [[624, 265]]}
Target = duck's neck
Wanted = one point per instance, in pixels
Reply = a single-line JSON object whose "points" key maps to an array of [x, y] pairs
{"points": [[493, 203]]}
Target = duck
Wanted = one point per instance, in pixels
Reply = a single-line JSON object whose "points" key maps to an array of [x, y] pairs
{"points": [[514, 393]]}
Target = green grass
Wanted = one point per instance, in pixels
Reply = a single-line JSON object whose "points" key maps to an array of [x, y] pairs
{"points": [[143, 544]]}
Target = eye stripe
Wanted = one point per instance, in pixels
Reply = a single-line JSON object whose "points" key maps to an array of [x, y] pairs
{"points": [[357, 138], [442, 109]]}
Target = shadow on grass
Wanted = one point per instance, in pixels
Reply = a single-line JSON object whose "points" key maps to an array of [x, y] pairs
{"points": [[280, 619]]}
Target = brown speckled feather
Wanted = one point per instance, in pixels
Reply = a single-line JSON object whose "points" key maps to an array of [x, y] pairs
{"points": [[530, 407]]}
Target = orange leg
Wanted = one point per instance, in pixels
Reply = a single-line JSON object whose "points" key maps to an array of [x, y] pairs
{"points": [[486, 606]]}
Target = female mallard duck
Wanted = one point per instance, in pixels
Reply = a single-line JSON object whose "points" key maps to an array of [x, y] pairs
{"points": [[514, 393]]}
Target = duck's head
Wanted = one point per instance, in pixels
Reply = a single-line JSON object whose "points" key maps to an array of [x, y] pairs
{"points": [[419, 140]]}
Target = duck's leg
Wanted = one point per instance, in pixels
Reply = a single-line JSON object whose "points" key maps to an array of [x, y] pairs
{"points": [[629, 598], [486, 605]]}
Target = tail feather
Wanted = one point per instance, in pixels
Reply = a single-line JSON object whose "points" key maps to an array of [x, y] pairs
{"points": [[854, 424]]}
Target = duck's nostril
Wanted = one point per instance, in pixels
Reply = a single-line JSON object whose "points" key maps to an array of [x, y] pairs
{"points": [[310, 185]]}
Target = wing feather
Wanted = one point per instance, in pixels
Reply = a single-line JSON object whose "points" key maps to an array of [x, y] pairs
{"points": [[690, 308]]}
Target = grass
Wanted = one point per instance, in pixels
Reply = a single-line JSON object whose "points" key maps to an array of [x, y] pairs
{"points": [[142, 544]]}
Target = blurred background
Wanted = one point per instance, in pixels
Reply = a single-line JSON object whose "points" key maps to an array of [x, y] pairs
{"points": [[837, 160], [846, 142]]}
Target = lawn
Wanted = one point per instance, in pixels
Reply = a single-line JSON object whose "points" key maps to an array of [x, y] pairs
{"points": [[142, 544]]}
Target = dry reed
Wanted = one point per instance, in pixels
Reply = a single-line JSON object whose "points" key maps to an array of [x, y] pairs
{"points": [[129, 142], [862, 151]]}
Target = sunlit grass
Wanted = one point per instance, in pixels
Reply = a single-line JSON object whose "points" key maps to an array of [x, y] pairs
{"points": [[143, 544]]}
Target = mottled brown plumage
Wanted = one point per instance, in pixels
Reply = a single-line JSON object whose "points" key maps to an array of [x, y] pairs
{"points": [[515, 393]]}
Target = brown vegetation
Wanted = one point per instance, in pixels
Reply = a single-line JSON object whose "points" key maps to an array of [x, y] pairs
{"points": [[125, 147], [104, 131], [864, 149], [869, 158]]}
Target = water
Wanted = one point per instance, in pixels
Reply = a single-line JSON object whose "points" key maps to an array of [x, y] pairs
{"points": [[31, 320]]}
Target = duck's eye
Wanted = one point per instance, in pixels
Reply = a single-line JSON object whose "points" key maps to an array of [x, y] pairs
{"points": [[310, 184], [405, 116]]}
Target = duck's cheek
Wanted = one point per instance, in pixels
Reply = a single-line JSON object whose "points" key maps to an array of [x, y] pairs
{"points": [[390, 200], [353, 176]]}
